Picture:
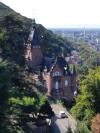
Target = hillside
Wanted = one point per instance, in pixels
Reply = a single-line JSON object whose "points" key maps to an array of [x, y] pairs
{"points": [[53, 43], [4, 10], [17, 99]]}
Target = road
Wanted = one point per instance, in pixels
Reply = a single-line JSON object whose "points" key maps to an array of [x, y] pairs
{"points": [[60, 125]]}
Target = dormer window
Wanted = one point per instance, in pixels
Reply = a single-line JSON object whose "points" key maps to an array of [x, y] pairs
{"points": [[57, 73]]}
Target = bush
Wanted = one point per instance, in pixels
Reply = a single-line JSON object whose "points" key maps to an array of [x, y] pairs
{"points": [[82, 127]]}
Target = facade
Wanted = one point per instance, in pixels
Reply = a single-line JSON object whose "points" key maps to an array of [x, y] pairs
{"points": [[58, 80], [56, 77]]}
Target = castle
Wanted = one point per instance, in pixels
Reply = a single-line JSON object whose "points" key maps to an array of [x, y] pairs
{"points": [[56, 77]]}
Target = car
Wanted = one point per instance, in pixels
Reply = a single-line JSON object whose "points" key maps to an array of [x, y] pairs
{"points": [[62, 114]]}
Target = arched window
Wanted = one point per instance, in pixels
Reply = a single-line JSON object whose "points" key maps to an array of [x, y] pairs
{"points": [[56, 85], [66, 83]]}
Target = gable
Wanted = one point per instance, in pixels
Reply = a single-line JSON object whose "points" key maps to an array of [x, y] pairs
{"points": [[56, 71]]}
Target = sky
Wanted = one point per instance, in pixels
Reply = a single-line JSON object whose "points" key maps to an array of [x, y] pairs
{"points": [[59, 13]]}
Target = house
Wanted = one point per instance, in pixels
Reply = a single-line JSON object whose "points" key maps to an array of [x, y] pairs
{"points": [[56, 77], [59, 80]]}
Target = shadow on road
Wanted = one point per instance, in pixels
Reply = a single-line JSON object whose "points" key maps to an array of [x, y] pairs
{"points": [[54, 126]]}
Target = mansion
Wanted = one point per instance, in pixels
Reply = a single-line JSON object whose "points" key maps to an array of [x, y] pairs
{"points": [[55, 75]]}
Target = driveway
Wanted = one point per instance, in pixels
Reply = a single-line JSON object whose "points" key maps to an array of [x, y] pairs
{"points": [[60, 125]]}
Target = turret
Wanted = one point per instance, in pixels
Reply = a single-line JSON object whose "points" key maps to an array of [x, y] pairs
{"points": [[33, 46], [36, 39]]}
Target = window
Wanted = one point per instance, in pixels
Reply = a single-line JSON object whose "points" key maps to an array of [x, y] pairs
{"points": [[66, 83], [56, 74], [56, 85]]}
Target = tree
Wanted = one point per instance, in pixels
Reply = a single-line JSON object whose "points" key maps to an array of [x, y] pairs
{"points": [[87, 103], [89, 57], [46, 109], [14, 35], [5, 87], [82, 127]]}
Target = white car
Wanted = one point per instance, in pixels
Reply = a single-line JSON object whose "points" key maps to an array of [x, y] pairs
{"points": [[62, 114]]}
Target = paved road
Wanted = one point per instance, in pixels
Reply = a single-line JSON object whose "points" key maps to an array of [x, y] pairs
{"points": [[60, 125]]}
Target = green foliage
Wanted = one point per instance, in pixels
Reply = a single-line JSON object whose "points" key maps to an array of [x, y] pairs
{"points": [[66, 103], [90, 58], [82, 127], [82, 69], [46, 109], [5, 85], [27, 101], [24, 101], [41, 99], [5, 82], [87, 103], [17, 28], [12, 45], [53, 44], [2, 33], [17, 100]]}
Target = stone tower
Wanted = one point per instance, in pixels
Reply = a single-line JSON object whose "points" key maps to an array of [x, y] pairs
{"points": [[33, 52]]}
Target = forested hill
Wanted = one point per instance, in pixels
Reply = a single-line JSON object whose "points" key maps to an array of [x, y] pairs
{"points": [[17, 99], [53, 44], [5, 10]]}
